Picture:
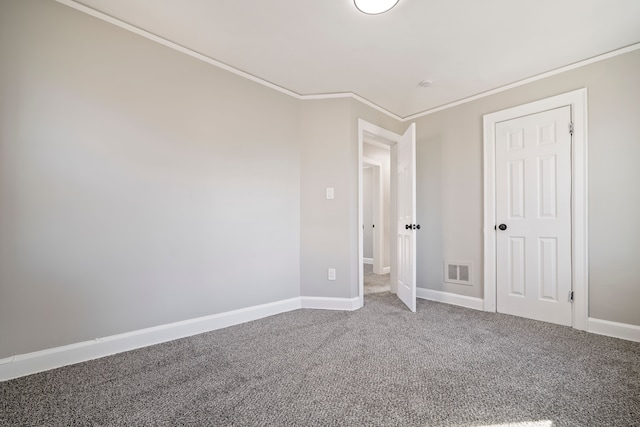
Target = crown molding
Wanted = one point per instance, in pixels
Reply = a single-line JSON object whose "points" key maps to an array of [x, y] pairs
{"points": [[175, 46], [352, 96], [197, 55], [532, 79]]}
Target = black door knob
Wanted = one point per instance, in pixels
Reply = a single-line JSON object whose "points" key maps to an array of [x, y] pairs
{"points": [[502, 227], [417, 226], [407, 227]]}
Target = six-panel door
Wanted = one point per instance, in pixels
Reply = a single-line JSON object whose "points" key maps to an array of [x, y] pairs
{"points": [[533, 202]]}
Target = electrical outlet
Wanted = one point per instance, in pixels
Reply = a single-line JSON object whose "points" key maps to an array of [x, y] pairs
{"points": [[331, 274]]}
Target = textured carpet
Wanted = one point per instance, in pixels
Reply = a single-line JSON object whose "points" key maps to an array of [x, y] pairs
{"points": [[375, 283], [381, 365]]}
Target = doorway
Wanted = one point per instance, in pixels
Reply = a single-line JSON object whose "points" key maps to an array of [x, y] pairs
{"points": [[402, 227], [376, 198], [535, 208]]}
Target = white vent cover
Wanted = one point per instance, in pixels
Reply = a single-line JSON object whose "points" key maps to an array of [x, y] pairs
{"points": [[457, 272]]}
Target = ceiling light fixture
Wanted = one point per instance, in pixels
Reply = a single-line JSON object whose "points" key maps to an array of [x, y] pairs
{"points": [[374, 7], [425, 83]]}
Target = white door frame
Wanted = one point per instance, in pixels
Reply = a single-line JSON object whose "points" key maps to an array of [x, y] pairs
{"points": [[376, 200], [579, 233], [376, 134]]}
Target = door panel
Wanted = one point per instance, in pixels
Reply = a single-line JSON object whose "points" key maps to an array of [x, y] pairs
{"points": [[406, 215], [516, 189], [533, 201], [548, 268], [548, 189], [516, 266]]}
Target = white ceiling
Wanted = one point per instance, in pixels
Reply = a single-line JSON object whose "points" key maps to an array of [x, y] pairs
{"points": [[465, 47]]}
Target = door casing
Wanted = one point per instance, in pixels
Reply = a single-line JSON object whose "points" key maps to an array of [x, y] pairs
{"points": [[376, 135], [577, 100]]}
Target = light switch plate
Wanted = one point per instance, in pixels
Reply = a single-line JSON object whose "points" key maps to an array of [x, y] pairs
{"points": [[330, 193]]}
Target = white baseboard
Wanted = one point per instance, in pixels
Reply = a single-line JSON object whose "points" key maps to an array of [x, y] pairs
{"points": [[38, 361], [386, 270], [367, 260], [449, 298], [613, 329], [44, 360], [325, 303]]}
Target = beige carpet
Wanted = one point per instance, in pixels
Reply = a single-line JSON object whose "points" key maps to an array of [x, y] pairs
{"points": [[375, 283]]}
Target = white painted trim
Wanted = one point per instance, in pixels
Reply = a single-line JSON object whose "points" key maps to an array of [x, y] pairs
{"points": [[104, 17], [624, 331], [197, 55], [370, 104], [489, 215], [532, 79], [326, 303], [368, 261], [38, 361], [335, 95], [386, 270], [450, 298], [44, 360], [393, 213], [381, 135], [368, 140], [579, 216], [351, 95]]}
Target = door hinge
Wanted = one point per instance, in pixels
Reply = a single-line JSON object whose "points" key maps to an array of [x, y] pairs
{"points": [[570, 296], [571, 129]]}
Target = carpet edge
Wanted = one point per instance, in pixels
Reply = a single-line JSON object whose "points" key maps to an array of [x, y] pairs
{"points": [[43, 360]]}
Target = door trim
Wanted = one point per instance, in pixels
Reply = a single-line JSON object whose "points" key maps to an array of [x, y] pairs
{"points": [[579, 233], [378, 136]]}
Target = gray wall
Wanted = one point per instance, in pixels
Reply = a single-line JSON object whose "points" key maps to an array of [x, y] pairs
{"points": [[329, 228], [138, 186], [325, 162], [449, 183]]}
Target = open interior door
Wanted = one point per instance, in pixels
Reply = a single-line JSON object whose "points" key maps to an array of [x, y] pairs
{"points": [[406, 217]]}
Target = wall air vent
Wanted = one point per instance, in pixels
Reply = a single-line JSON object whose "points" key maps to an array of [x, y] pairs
{"points": [[457, 272]]}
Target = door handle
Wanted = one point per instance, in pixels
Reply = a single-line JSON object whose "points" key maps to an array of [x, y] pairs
{"points": [[407, 227], [416, 226], [502, 227]]}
